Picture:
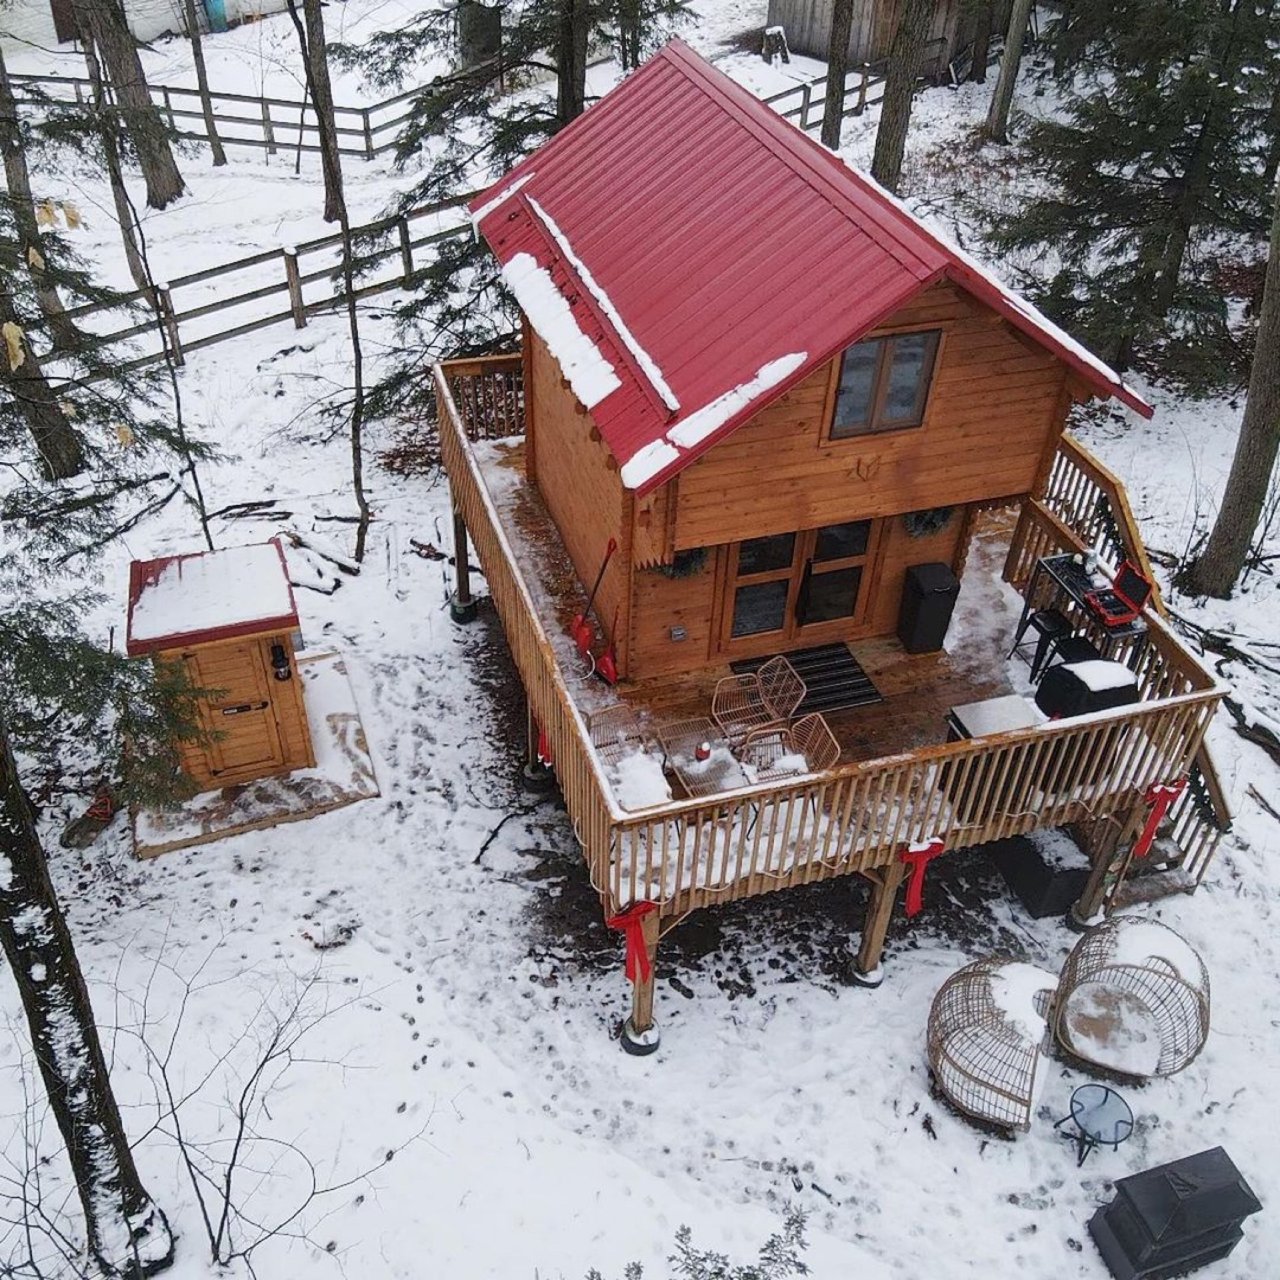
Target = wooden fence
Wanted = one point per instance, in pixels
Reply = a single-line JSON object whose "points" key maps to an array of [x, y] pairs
{"points": [[853, 819], [268, 124], [290, 283]]}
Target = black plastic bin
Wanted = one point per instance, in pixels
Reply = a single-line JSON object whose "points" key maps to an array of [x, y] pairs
{"points": [[928, 599]]}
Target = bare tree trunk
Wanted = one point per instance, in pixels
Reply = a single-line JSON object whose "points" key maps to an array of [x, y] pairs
{"points": [[21, 201], [997, 126], [60, 449], [316, 64], [571, 60], [1215, 571], [202, 82], [982, 41], [906, 55], [104, 22], [1272, 132], [837, 68], [128, 1234], [111, 162], [629, 24], [309, 41]]}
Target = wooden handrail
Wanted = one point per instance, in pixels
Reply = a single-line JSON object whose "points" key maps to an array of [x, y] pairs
{"points": [[852, 819]]}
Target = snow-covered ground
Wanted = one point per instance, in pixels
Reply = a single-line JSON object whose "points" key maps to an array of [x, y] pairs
{"points": [[458, 1084]]}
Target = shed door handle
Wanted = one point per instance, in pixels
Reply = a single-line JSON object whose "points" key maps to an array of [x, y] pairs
{"points": [[243, 707]]}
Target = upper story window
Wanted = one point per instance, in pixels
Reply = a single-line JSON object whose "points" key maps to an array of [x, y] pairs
{"points": [[884, 383]]}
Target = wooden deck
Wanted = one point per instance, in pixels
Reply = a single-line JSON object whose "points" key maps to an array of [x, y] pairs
{"points": [[899, 783]]}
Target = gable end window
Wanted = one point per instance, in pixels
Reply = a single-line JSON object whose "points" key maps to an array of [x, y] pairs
{"points": [[884, 383]]}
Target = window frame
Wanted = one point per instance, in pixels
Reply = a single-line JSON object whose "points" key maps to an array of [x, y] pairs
{"points": [[875, 425]]}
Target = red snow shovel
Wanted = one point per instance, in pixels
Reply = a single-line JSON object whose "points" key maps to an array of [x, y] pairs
{"points": [[607, 663], [580, 629]]}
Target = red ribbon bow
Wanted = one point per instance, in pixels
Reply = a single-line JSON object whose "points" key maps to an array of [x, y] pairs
{"points": [[1160, 796], [918, 857], [629, 921]]}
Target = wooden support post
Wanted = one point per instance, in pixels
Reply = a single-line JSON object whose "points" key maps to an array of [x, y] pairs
{"points": [[368, 134], [640, 1031], [805, 93], [294, 278], [164, 310], [862, 91], [535, 775], [268, 133], [884, 892], [406, 248], [462, 608]]}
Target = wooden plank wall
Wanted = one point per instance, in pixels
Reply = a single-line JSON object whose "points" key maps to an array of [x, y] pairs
{"points": [[994, 408], [578, 480], [808, 24]]}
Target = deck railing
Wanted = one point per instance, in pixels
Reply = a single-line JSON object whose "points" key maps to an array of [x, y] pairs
{"points": [[855, 818], [1083, 505]]}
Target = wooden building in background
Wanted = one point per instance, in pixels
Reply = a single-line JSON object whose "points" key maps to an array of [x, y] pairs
{"points": [[230, 619]]}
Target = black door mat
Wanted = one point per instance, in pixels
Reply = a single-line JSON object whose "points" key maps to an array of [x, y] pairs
{"points": [[831, 674]]}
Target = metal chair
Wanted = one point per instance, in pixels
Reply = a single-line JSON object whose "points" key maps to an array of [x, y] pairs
{"points": [[615, 733], [762, 699], [765, 751], [1050, 626]]}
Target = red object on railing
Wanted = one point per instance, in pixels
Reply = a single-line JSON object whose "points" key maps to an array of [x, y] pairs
{"points": [[1160, 796], [629, 921], [918, 857], [544, 748]]}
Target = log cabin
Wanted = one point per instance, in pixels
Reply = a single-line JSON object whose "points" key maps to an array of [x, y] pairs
{"points": [[758, 412]]}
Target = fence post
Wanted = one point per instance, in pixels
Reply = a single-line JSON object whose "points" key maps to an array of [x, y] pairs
{"points": [[168, 106], [291, 274], [804, 105], [268, 133], [168, 318], [862, 91], [79, 96], [368, 135], [406, 248]]}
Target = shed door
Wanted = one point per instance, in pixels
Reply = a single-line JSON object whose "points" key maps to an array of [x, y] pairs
{"points": [[240, 712]]}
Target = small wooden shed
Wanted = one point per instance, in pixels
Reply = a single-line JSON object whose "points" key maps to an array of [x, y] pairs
{"points": [[230, 617], [808, 26]]}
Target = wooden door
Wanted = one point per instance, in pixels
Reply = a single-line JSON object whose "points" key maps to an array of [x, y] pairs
{"points": [[792, 590], [239, 714]]}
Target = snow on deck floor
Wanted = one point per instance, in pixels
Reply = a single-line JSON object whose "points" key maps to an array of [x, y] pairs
{"points": [[474, 1001]]}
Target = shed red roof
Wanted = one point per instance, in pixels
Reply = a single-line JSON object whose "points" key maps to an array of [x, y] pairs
{"points": [[209, 595], [705, 255]]}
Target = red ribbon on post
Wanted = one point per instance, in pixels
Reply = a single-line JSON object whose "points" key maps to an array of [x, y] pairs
{"points": [[918, 857], [1160, 796], [629, 921]]}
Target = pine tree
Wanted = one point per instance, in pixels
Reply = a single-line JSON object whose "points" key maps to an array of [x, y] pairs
{"points": [[1155, 164], [1215, 570], [906, 54], [466, 130], [104, 27], [837, 67]]}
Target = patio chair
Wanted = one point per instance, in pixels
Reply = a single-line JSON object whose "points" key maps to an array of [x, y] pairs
{"points": [[615, 733], [769, 752], [762, 699]]}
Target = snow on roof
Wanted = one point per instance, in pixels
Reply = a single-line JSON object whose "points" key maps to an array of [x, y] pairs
{"points": [[210, 595], [696, 236], [590, 374]]}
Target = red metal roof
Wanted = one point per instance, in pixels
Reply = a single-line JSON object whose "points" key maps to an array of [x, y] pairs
{"points": [[209, 595], [698, 240]]}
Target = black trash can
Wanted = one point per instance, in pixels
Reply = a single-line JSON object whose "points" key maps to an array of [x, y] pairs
{"points": [[928, 598]]}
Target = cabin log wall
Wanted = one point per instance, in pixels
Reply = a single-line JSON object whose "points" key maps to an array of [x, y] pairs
{"points": [[580, 484], [994, 407]]}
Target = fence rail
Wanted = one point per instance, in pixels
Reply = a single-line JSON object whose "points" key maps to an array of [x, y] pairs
{"points": [[245, 120], [853, 819], [292, 282]]}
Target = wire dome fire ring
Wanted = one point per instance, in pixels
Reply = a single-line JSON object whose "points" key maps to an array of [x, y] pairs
{"points": [[1133, 999], [987, 1032]]}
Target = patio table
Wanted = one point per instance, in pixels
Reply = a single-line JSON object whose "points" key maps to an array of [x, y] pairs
{"points": [[721, 771]]}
